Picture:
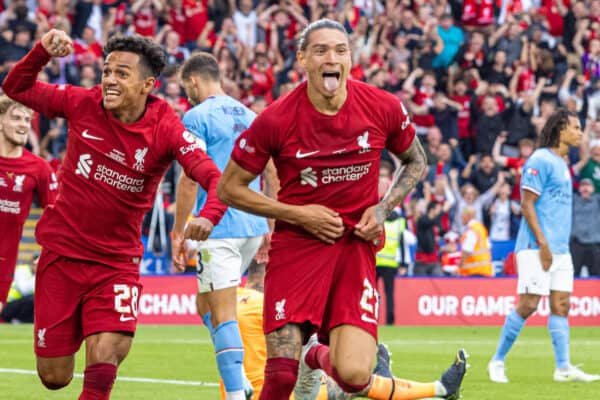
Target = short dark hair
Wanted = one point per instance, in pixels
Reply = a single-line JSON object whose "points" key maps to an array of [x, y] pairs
{"points": [[318, 25], [201, 63], [152, 57], [550, 135]]}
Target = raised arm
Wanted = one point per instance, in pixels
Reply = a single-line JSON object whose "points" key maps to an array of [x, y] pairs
{"points": [[21, 83]]}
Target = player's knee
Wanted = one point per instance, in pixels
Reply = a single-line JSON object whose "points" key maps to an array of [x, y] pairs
{"points": [[353, 375], [527, 307], [54, 380], [560, 307]]}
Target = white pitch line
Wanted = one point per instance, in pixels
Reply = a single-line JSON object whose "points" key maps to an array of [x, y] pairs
{"points": [[406, 342], [121, 378]]}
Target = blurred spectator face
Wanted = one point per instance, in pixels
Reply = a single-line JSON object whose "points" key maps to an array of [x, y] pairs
{"points": [[439, 185], [379, 78], [439, 101], [477, 42], [408, 18], [172, 90], [526, 147], [486, 164], [444, 153], [401, 70], [489, 106], [514, 30], [595, 8], [595, 153], [327, 61], [586, 188], [428, 83], [89, 74], [547, 107], [88, 35], [172, 40], [281, 18], [579, 9], [425, 12], [467, 215], [14, 125], [446, 22], [469, 193], [400, 41], [500, 57], [460, 88], [434, 137], [246, 6], [505, 191]]}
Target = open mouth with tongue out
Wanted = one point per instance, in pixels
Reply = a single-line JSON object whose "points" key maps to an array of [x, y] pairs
{"points": [[331, 81]]}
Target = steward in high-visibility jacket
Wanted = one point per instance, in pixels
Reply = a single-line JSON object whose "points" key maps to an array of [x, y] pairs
{"points": [[388, 256], [17, 288], [476, 256]]}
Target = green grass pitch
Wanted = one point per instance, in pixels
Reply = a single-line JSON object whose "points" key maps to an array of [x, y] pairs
{"points": [[183, 353]]}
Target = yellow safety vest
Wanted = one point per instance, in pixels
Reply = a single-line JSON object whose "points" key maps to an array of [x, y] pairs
{"points": [[13, 293], [480, 261], [388, 256]]}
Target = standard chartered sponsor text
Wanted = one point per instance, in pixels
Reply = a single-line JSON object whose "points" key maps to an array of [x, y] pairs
{"points": [[117, 180], [348, 173], [11, 207]]}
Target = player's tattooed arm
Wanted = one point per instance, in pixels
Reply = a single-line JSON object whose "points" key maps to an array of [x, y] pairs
{"points": [[414, 163], [285, 342]]}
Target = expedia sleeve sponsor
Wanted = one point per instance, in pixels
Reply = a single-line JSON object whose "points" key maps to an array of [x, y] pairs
{"points": [[10, 207], [117, 180]]}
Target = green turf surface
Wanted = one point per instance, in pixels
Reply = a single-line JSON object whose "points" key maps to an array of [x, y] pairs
{"points": [[184, 353]]}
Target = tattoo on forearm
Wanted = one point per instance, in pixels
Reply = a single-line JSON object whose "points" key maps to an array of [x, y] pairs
{"points": [[414, 162], [285, 342]]}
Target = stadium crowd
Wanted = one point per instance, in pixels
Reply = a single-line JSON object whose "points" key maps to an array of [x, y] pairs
{"points": [[478, 77]]}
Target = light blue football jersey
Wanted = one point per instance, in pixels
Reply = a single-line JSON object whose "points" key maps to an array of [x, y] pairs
{"points": [[217, 122], [547, 174]]}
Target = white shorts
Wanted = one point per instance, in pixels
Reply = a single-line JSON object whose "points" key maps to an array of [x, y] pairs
{"points": [[534, 280], [222, 262]]}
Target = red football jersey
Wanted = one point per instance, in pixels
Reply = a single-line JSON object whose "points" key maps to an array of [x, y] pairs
{"points": [[324, 159], [20, 178], [111, 170]]}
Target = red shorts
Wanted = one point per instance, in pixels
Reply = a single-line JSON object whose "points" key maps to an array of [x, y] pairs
{"points": [[77, 298], [326, 285], [4, 289]]}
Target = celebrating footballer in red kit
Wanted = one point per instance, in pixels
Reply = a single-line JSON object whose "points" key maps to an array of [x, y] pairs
{"points": [[326, 138], [121, 140], [22, 174]]}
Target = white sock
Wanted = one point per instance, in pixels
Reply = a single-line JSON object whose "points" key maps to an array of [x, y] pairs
{"points": [[237, 395]]}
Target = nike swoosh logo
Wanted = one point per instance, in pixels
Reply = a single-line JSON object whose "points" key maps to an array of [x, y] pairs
{"points": [[125, 319], [86, 135], [299, 154]]}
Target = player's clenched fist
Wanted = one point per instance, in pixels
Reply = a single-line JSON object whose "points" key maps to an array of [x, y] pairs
{"points": [[57, 43]]}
